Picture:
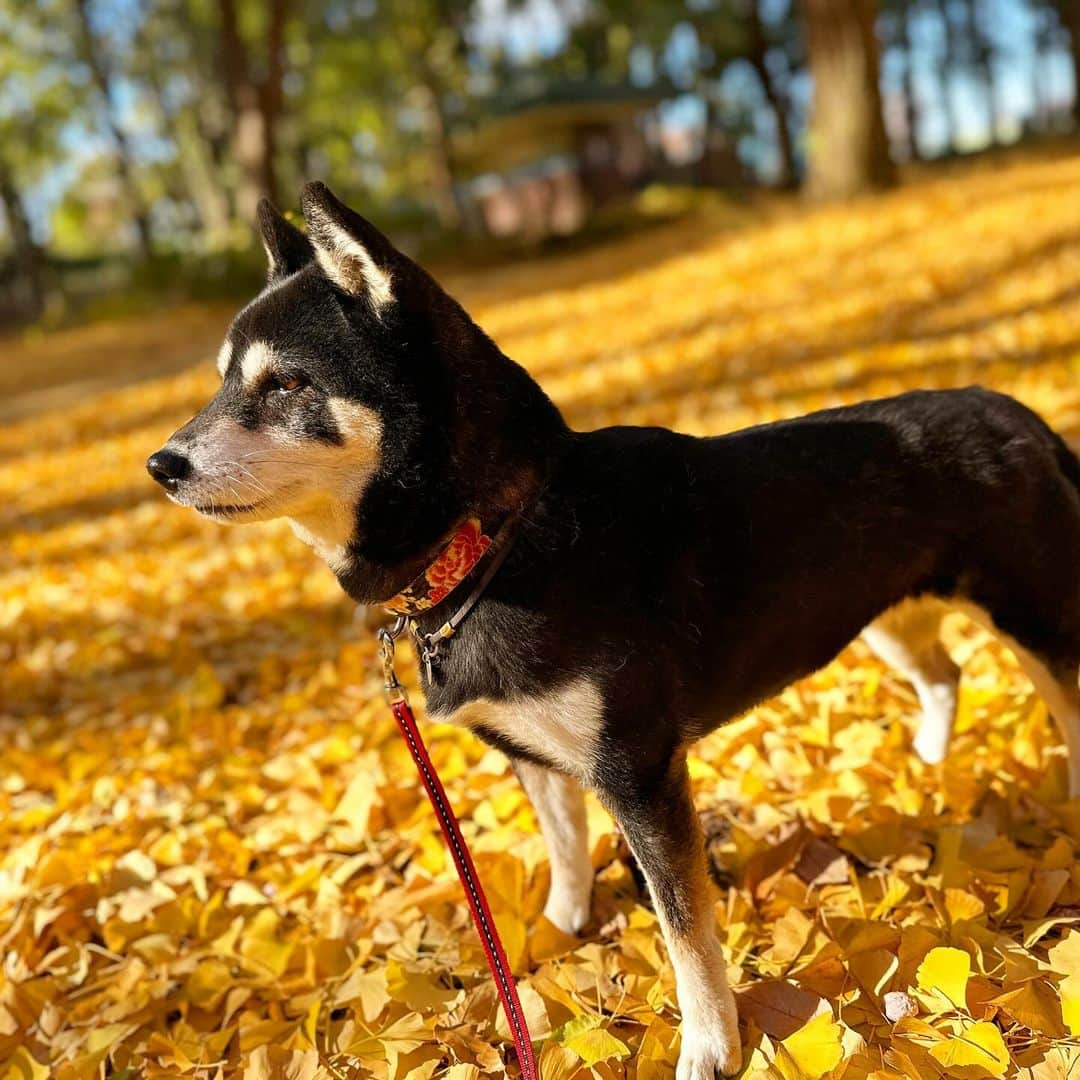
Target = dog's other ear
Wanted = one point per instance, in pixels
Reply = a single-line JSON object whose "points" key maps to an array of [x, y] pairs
{"points": [[287, 248], [353, 254]]}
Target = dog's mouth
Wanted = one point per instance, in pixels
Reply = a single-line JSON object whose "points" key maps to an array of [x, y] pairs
{"points": [[225, 511]]}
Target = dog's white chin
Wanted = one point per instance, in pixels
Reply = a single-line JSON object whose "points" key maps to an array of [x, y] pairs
{"points": [[230, 513], [225, 512]]}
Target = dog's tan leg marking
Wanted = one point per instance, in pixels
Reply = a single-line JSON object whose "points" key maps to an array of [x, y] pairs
{"points": [[1061, 695], [663, 832], [907, 638], [559, 803]]}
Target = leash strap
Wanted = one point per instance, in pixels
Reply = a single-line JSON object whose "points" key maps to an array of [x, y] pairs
{"points": [[459, 851]]}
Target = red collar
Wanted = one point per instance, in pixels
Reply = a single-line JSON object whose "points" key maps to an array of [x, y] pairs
{"points": [[451, 567]]}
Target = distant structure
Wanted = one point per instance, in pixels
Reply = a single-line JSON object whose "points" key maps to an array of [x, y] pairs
{"points": [[537, 163]]}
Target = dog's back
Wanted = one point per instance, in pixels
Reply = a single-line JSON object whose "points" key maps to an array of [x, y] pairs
{"points": [[753, 558]]}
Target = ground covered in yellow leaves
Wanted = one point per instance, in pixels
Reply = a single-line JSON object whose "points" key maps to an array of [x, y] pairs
{"points": [[216, 861]]}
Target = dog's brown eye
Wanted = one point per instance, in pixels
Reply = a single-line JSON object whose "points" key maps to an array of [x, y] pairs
{"points": [[289, 383]]}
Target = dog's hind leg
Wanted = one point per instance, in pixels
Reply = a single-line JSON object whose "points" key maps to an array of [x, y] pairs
{"points": [[907, 637], [1055, 681], [1061, 692], [657, 817], [559, 803]]}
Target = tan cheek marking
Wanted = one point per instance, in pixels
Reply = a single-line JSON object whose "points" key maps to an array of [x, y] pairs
{"points": [[328, 519], [360, 427], [223, 357]]}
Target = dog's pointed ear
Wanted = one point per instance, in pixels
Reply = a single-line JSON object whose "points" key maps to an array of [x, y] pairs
{"points": [[353, 254], [287, 248]]}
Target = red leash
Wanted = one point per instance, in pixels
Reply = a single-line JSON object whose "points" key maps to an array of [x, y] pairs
{"points": [[466, 870]]}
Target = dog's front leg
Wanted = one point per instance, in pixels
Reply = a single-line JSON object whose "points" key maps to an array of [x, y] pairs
{"points": [[559, 803], [662, 829]]}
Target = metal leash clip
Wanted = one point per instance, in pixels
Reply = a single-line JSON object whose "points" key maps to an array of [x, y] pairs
{"points": [[392, 688]]}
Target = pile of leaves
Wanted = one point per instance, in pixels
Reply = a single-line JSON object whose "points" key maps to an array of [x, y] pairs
{"points": [[216, 860]]}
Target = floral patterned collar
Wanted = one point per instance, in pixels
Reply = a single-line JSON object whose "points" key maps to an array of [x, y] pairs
{"points": [[451, 567]]}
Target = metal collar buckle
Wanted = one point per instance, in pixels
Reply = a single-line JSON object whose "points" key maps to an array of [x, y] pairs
{"points": [[387, 637]]}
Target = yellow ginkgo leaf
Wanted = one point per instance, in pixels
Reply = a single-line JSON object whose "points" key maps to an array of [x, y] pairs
{"points": [[980, 1044], [816, 1048], [1065, 955], [945, 971], [597, 1045], [1069, 989]]}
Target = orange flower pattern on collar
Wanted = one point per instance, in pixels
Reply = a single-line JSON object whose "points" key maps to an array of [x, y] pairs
{"points": [[446, 573]]}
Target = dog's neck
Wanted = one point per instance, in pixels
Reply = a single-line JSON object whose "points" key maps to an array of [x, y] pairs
{"points": [[486, 452]]}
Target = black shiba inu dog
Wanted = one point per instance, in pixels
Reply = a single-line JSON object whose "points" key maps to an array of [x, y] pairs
{"points": [[657, 585]]}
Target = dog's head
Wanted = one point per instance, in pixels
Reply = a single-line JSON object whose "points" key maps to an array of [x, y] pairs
{"points": [[338, 372]]}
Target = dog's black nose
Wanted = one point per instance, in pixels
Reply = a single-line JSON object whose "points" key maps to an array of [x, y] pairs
{"points": [[168, 468]]}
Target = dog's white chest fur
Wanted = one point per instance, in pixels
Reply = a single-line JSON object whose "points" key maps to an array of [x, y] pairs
{"points": [[561, 726]]}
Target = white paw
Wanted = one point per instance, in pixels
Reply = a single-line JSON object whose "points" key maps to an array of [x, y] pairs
{"points": [[567, 914], [709, 1054], [931, 741], [931, 750]]}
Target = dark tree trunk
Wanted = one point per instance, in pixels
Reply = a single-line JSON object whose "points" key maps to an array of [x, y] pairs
{"points": [[911, 104], [949, 62], [179, 183], [255, 106], [1070, 14], [124, 159], [758, 48], [28, 262], [272, 97], [849, 150], [445, 197], [982, 64]]}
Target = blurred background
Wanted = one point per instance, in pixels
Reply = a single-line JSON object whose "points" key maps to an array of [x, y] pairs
{"points": [[137, 135]]}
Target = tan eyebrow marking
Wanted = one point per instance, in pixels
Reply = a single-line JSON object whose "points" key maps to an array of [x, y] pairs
{"points": [[258, 359], [224, 356]]}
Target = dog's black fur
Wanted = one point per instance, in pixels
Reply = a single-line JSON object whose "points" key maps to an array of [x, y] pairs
{"points": [[685, 578], [694, 578]]}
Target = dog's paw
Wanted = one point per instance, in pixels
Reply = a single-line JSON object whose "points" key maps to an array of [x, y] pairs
{"points": [[568, 914], [931, 741], [709, 1055]]}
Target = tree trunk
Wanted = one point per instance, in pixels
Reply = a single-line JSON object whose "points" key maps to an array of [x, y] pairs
{"points": [[911, 104], [178, 182], [982, 64], [124, 159], [202, 177], [949, 62], [28, 263], [447, 201], [271, 96], [255, 107], [1070, 13], [777, 101], [849, 150]]}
